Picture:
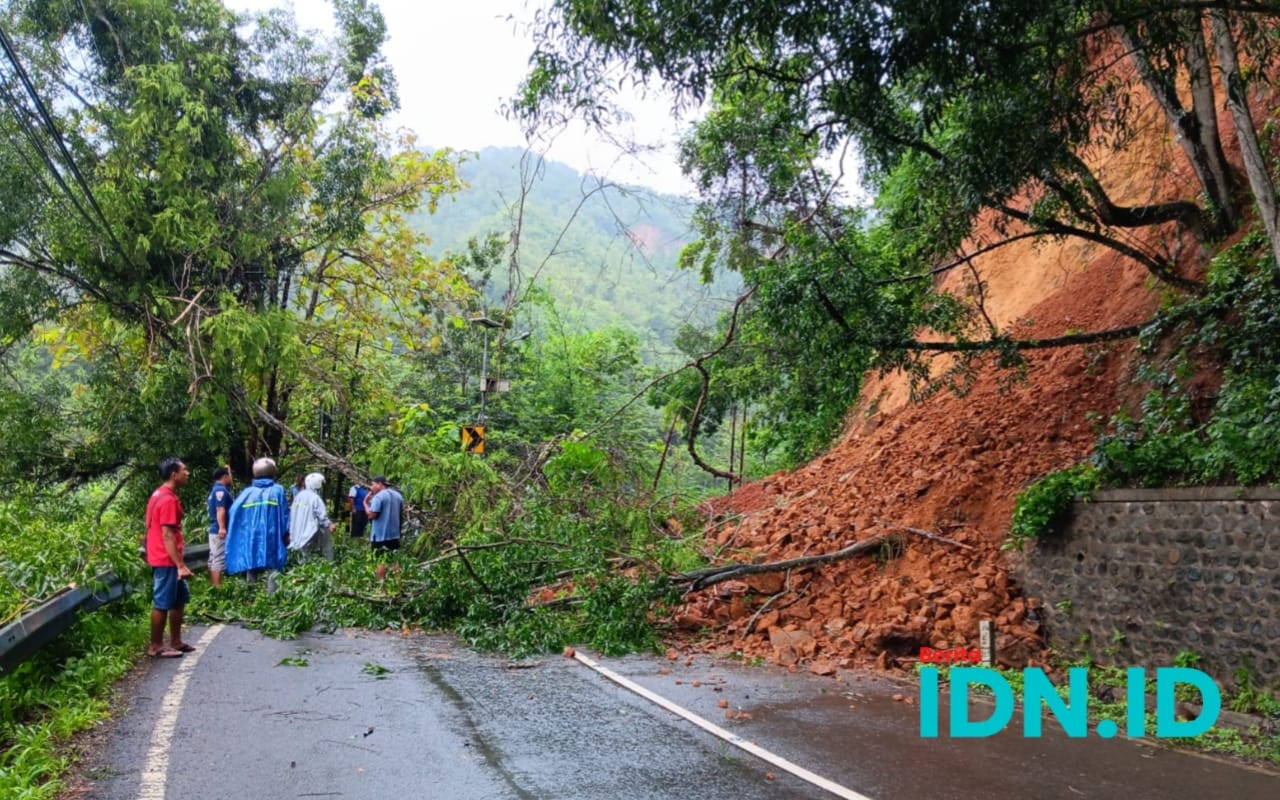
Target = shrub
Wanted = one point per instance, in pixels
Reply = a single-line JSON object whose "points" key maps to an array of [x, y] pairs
{"points": [[1041, 507]]}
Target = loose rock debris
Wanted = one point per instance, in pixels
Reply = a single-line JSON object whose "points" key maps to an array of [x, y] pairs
{"points": [[925, 490]]}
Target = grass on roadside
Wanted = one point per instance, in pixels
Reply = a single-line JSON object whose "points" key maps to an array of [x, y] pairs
{"points": [[62, 690]]}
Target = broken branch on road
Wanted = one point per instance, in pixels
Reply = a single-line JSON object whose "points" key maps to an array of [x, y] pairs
{"points": [[702, 578]]}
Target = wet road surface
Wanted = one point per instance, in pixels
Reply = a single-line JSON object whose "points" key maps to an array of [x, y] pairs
{"points": [[362, 715]]}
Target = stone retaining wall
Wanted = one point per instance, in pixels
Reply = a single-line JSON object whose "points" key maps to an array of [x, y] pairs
{"points": [[1138, 576]]}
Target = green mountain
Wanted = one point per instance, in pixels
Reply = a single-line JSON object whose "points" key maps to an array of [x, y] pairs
{"points": [[605, 253]]}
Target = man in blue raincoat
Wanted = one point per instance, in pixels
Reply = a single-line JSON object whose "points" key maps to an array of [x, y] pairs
{"points": [[258, 528]]}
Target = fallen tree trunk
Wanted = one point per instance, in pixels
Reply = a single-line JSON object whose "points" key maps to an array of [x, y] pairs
{"points": [[702, 578]]}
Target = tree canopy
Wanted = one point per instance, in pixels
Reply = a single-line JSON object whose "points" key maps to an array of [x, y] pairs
{"points": [[978, 101], [207, 210], [973, 125]]}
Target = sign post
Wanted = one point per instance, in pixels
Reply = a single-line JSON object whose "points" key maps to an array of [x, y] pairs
{"points": [[987, 642], [473, 439]]}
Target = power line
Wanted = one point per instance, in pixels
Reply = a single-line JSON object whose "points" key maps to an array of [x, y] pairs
{"points": [[33, 138], [47, 120], [52, 129]]}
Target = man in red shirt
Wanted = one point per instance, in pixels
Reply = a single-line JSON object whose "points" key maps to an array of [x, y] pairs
{"points": [[164, 553]]}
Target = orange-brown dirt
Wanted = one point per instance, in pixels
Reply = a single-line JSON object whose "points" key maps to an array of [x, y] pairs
{"points": [[950, 466]]}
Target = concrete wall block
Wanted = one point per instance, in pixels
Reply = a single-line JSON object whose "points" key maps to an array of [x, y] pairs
{"points": [[1171, 570]]}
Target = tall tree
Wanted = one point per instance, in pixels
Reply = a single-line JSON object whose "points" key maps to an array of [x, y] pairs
{"points": [[963, 116], [225, 192], [999, 96]]}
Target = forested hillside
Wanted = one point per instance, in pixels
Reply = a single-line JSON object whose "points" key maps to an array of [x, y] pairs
{"points": [[606, 253]]}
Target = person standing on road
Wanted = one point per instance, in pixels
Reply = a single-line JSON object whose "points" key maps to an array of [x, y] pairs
{"points": [[219, 505], [309, 525], [258, 526], [355, 504], [383, 507], [169, 572]]}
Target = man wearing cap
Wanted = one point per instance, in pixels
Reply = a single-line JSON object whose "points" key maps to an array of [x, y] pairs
{"points": [[219, 505], [383, 505]]}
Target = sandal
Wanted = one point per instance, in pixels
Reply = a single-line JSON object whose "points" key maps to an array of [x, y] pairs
{"points": [[167, 652], [184, 647]]}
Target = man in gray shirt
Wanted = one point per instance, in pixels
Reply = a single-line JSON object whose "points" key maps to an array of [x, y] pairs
{"points": [[383, 505]]}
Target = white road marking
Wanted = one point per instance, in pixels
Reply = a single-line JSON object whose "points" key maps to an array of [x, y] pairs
{"points": [[156, 769], [716, 730]]}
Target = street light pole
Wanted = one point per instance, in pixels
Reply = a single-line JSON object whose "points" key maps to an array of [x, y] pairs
{"points": [[486, 323], [484, 375]]}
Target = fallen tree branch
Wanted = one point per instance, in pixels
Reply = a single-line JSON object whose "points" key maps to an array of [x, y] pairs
{"points": [[702, 578], [556, 603], [321, 454], [455, 550], [388, 600], [102, 509], [475, 576], [411, 512]]}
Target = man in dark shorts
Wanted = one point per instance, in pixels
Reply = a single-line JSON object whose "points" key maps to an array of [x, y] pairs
{"points": [[164, 553], [383, 506]]}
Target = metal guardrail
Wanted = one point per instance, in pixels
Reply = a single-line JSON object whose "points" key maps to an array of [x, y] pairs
{"points": [[23, 637]]}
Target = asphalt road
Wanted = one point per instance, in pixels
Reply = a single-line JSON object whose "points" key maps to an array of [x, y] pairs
{"points": [[377, 715]]}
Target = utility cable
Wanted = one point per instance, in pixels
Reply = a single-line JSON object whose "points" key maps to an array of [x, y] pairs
{"points": [[33, 138], [52, 129], [47, 120]]}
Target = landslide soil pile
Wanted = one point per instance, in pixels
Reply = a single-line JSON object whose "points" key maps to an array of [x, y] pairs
{"points": [[949, 467]]}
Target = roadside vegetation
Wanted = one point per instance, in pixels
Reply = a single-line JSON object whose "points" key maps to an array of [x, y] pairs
{"points": [[47, 544], [1188, 431], [215, 245]]}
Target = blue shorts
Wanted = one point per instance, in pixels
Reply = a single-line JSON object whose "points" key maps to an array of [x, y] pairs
{"points": [[167, 592]]}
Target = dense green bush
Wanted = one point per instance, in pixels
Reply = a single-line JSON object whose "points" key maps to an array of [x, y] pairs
{"points": [[1179, 437], [1041, 507], [1233, 436]]}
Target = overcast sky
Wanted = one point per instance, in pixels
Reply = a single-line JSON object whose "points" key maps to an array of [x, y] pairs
{"points": [[457, 61]]}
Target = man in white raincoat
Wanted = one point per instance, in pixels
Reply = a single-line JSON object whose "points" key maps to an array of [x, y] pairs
{"points": [[309, 526]]}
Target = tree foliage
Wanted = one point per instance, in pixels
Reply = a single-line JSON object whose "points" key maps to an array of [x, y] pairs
{"points": [[974, 125], [1192, 433], [213, 212]]}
